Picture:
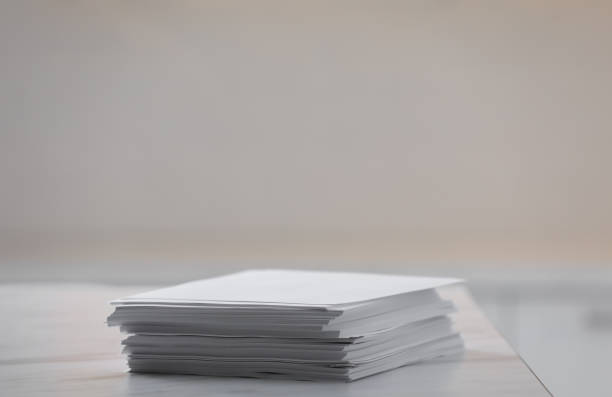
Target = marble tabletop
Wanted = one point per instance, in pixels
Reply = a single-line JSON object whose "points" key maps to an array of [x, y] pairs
{"points": [[55, 343]]}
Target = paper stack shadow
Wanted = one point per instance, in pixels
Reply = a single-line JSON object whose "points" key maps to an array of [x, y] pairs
{"points": [[287, 324]]}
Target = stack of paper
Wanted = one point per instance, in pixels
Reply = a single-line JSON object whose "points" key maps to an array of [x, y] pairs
{"points": [[287, 324]]}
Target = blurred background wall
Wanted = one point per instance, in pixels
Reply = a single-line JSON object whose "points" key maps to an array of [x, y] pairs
{"points": [[137, 134]]}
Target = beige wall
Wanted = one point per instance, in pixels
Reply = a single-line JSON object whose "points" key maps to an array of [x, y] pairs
{"points": [[445, 130]]}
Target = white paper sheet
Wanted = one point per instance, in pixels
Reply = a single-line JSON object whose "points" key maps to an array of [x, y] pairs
{"points": [[290, 287]]}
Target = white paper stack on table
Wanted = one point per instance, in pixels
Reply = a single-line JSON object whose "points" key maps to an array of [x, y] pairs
{"points": [[287, 324]]}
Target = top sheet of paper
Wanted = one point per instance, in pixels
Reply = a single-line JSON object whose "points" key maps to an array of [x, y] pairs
{"points": [[291, 287]]}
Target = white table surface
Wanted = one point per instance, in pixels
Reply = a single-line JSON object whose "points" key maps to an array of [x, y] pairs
{"points": [[55, 342]]}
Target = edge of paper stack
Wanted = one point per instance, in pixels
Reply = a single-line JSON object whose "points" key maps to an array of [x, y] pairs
{"points": [[288, 324]]}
